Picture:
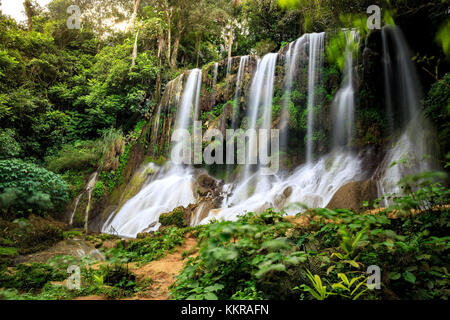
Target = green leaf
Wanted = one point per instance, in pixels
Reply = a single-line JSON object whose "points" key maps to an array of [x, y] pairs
{"points": [[394, 275], [210, 296], [408, 276]]}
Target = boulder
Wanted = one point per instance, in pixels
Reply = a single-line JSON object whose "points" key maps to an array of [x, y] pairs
{"points": [[352, 195], [280, 200]]}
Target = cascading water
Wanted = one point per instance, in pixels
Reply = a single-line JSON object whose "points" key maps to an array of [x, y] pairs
{"points": [[89, 188], [344, 103], [416, 141], [312, 184], [155, 128], [229, 64], [173, 186], [387, 76], [291, 69], [237, 94], [77, 201], [316, 50], [260, 105]]}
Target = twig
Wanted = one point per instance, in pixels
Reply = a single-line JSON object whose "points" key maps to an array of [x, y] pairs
{"points": [[436, 78]]}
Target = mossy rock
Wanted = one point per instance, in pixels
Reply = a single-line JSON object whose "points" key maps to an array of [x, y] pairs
{"points": [[174, 218]]}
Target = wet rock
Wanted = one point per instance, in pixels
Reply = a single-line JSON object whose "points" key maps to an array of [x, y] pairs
{"points": [[280, 200], [352, 195]]}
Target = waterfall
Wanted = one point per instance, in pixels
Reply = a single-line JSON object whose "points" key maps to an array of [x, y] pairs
{"points": [[237, 94], [229, 64], [172, 187], [77, 201], [312, 185], [260, 104], [344, 102], [316, 50], [407, 155], [89, 188], [291, 68], [155, 129], [387, 76], [189, 98]]}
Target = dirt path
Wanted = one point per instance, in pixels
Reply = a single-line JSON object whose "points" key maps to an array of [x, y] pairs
{"points": [[162, 272]]}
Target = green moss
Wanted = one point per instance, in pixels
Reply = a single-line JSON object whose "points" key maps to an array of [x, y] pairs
{"points": [[174, 218], [99, 189], [8, 251]]}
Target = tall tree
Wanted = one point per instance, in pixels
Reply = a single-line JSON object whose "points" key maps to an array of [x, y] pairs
{"points": [[31, 9], [135, 13]]}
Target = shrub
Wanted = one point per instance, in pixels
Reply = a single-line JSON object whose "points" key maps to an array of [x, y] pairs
{"points": [[27, 187], [153, 247], [99, 189], [119, 276], [437, 109], [31, 276], [9, 147], [78, 155], [112, 147], [174, 218]]}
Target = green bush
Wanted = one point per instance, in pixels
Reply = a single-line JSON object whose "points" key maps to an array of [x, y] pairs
{"points": [[9, 147], [437, 109], [27, 187], [31, 276], [174, 218], [79, 155], [262, 256], [99, 189], [153, 247]]}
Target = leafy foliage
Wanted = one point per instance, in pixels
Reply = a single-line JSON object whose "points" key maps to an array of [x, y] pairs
{"points": [[262, 256], [27, 186]]}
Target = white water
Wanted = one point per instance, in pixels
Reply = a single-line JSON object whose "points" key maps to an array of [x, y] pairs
{"points": [[173, 186], [155, 129], [77, 201], [344, 102], [229, 63], [416, 141], [237, 93], [169, 190], [89, 188], [260, 105], [291, 69], [312, 184], [316, 51]]}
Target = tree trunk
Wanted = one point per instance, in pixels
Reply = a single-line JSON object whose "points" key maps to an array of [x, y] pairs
{"points": [[135, 49], [135, 12], [230, 41], [169, 33], [176, 44]]}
